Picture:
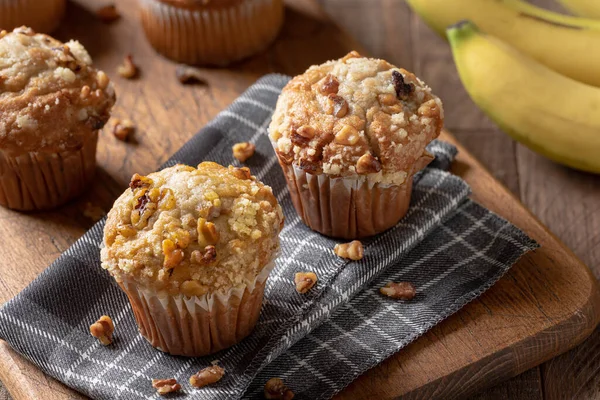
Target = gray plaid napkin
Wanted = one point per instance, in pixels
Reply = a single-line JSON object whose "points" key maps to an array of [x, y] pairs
{"points": [[449, 247]]}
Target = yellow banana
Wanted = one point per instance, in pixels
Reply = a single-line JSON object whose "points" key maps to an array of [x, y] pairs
{"points": [[585, 8], [569, 49], [528, 8], [546, 111]]}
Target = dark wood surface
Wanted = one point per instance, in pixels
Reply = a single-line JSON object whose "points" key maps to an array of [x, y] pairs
{"points": [[167, 115]]}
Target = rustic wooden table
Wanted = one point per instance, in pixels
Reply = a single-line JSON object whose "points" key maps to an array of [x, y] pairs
{"points": [[389, 30], [568, 202]]}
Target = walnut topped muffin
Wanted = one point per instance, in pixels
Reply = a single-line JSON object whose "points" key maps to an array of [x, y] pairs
{"points": [[52, 104], [47, 84], [203, 240], [211, 32], [347, 125], [43, 16], [192, 230], [356, 115]]}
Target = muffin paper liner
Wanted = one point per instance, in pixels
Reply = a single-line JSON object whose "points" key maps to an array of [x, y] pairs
{"points": [[41, 15], [349, 207], [212, 35], [199, 325], [42, 180]]}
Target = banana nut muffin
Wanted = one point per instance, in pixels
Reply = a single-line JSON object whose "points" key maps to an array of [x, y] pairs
{"points": [[43, 16], [356, 118], [52, 104], [211, 32], [205, 233]]}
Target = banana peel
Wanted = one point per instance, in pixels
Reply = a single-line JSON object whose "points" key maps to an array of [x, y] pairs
{"points": [[551, 16], [551, 114], [566, 47], [585, 8]]}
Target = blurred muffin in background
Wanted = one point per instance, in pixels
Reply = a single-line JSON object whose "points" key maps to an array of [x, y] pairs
{"points": [[350, 134], [211, 32], [192, 248], [40, 15], [52, 104]]}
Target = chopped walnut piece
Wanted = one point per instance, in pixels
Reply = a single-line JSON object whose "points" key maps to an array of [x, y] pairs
{"points": [[283, 157], [353, 250], [329, 85], [306, 131], [243, 151], [208, 257], [367, 164], [190, 75], [123, 129], [128, 69], [299, 140], [240, 173], [126, 230], [348, 135], [399, 290], [103, 330], [164, 386], [303, 135], [352, 54], [138, 181], [207, 376], [207, 232], [173, 254], [108, 14], [403, 90], [275, 389], [387, 99], [305, 281], [93, 212], [339, 106]]}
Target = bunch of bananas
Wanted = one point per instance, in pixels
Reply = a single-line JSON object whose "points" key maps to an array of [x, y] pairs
{"points": [[536, 73]]}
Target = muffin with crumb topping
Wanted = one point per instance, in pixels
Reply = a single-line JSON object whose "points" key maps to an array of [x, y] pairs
{"points": [[52, 104], [192, 248], [211, 32], [350, 134]]}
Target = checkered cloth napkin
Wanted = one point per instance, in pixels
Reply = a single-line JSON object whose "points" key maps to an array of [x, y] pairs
{"points": [[450, 248]]}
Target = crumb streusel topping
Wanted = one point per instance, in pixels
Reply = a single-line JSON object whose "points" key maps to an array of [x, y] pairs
{"points": [[51, 98], [356, 116], [191, 231]]}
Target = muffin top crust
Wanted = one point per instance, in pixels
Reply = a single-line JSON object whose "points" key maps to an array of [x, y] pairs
{"points": [[192, 231], [51, 98], [356, 116]]}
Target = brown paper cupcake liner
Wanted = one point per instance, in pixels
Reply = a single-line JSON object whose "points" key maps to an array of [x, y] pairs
{"points": [[43, 16], [216, 35], [349, 207], [200, 325], [40, 180]]}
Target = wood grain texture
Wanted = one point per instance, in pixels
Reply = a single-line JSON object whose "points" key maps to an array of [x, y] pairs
{"points": [[524, 311]]}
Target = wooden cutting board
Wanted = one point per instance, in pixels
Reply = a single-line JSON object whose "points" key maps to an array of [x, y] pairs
{"points": [[546, 304]]}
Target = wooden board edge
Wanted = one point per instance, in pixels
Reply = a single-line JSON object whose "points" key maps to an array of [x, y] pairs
{"points": [[493, 366], [585, 317]]}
